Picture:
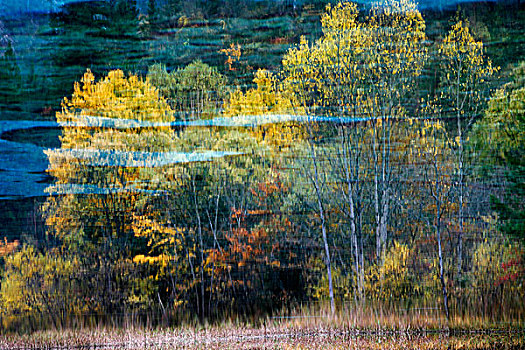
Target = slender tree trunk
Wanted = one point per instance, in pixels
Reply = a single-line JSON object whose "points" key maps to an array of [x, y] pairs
{"points": [[437, 194], [355, 232], [327, 257], [323, 228], [381, 199], [461, 196], [216, 245], [376, 200], [201, 244], [440, 254]]}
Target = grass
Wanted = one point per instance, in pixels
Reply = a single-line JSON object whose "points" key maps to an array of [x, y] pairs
{"points": [[420, 318], [306, 327], [282, 335], [49, 75]]}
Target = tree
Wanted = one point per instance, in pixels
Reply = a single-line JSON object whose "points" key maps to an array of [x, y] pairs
{"points": [[268, 98], [39, 287], [102, 179], [499, 139], [363, 71], [195, 91], [436, 160], [465, 70]]}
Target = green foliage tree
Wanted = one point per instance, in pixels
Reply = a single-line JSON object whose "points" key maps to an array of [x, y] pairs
{"points": [[195, 91], [499, 138]]}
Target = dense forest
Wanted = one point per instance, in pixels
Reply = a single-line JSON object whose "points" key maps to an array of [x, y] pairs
{"points": [[376, 168]]}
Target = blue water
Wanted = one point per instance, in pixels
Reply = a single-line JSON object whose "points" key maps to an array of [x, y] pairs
{"points": [[23, 165]]}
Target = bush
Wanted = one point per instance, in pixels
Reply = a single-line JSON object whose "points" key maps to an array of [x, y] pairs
{"points": [[39, 286]]}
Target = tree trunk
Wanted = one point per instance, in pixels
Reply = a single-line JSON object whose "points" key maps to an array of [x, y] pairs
{"points": [[355, 231], [437, 193], [327, 258], [323, 229], [441, 273], [461, 197], [201, 244]]}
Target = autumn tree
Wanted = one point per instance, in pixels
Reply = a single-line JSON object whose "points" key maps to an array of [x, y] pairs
{"points": [[436, 162], [39, 287], [465, 71], [269, 98], [331, 172], [102, 178], [364, 72], [198, 200]]}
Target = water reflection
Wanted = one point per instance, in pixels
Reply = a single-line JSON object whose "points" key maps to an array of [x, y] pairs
{"points": [[77, 189], [95, 157], [237, 121], [25, 178]]}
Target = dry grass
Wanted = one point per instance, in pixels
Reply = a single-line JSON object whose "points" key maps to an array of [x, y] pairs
{"points": [[305, 327], [283, 335], [416, 318]]}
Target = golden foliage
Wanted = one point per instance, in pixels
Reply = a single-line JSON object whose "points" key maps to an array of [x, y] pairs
{"points": [[269, 97], [497, 269], [115, 97], [37, 284], [391, 280], [356, 64], [233, 54], [465, 69]]}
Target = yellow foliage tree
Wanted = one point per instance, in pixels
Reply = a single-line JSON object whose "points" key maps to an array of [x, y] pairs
{"points": [[360, 74], [269, 97], [39, 286], [111, 131], [93, 145], [167, 259], [392, 280], [465, 71]]}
